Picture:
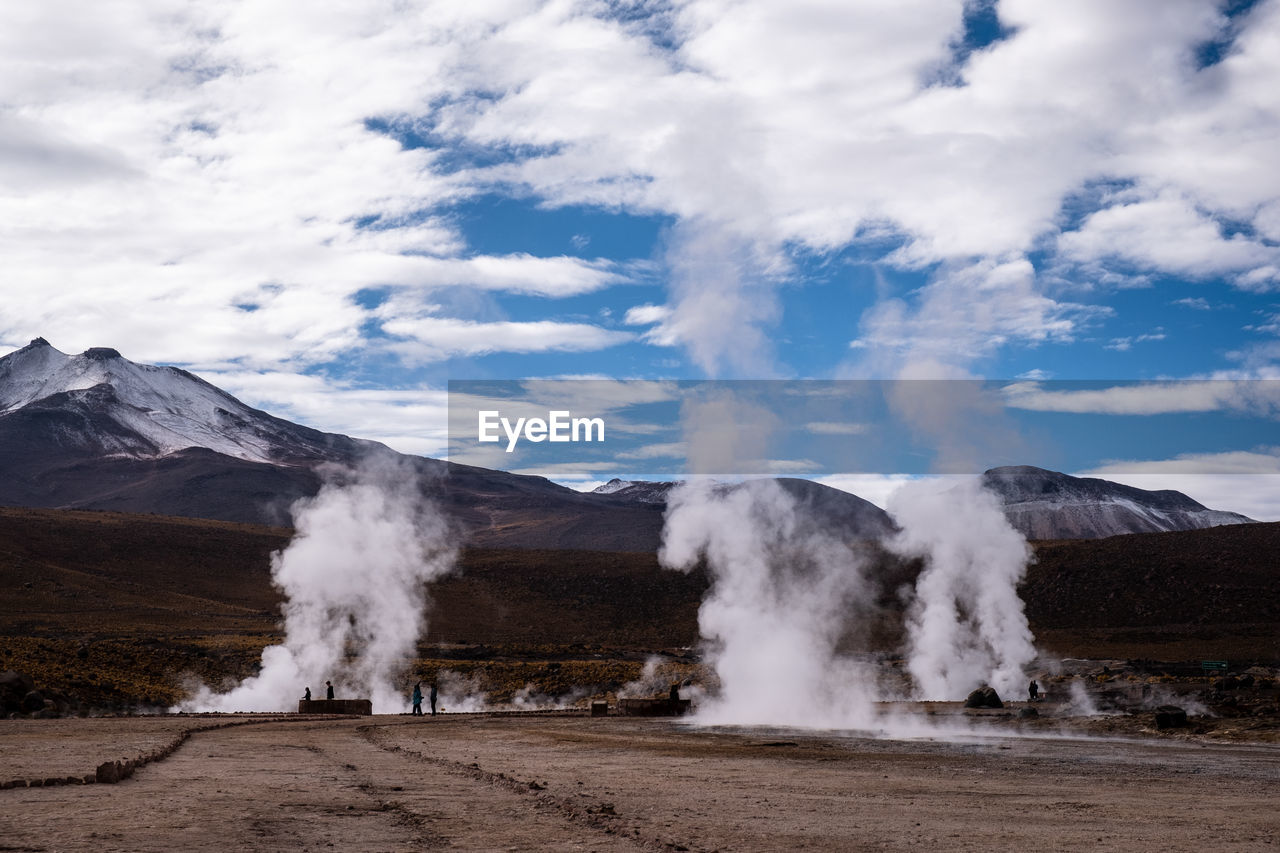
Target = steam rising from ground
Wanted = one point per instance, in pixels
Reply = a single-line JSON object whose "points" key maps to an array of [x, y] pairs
{"points": [[782, 591], [786, 589], [966, 624], [353, 577]]}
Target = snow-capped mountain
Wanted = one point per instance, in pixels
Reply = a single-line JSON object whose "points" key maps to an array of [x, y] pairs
{"points": [[115, 407], [99, 431], [1051, 505], [640, 491]]}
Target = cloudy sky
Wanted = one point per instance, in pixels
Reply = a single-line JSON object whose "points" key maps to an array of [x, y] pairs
{"points": [[332, 215]]}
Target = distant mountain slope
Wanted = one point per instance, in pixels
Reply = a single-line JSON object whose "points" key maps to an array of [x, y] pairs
{"points": [[1050, 505], [97, 431], [99, 403]]}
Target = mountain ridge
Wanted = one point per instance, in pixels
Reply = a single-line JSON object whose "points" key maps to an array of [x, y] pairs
{"points": [[98, 431]]}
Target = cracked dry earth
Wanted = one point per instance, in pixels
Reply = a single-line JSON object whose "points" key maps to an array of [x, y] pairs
{"points": [[580, 783]]}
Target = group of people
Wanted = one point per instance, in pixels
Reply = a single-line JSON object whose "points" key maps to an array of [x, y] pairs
{"points": [[417, 696], [417, 699], [306, 696]]}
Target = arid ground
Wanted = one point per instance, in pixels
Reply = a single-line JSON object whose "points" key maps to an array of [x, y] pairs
{"points": [[574, 782]]}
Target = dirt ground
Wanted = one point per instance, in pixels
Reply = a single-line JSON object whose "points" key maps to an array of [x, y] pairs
{"points": [[573, 782]]}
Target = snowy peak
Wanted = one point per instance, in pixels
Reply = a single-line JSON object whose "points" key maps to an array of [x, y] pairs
{"points": [[639, 491], [1052, 505], [145, 411]]}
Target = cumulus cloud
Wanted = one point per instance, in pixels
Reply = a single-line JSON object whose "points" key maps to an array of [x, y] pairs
{"points": [[225, 164], [237, 164], [816, 126]]}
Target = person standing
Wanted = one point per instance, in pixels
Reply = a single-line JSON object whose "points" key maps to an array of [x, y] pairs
{"points": [[329, 692], [433, 698], [1033, 690], [306, 696], [417, 699]]}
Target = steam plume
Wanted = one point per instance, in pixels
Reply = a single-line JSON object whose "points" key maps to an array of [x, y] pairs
{"points": [[966, 625], [782, 589], [353, 577]]}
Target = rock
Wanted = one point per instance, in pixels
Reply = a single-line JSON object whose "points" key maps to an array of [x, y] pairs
{"points": [[108, 772], [1028, 714], [1170, 717], [984, 697], [32, 702], [1230, 682], [1246, 681], [13, 687]]}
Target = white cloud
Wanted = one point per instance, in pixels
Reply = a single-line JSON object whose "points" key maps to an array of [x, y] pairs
{"points": [[410, 420], [426, 339], [1198, 303], [1167, 233], [187, 183], [170, 160], [645, 315], [809, 125], [1126, 343], [963, 315], [666, 450], [1259, 396], [876, 488], [1247, 482], [832, 428]]}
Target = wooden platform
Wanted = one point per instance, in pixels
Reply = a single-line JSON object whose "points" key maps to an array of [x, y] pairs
{"points": [[653, 707], [335, 706]]}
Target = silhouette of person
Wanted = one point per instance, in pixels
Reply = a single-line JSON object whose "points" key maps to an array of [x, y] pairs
{"points": [[433, 698], [417, 699], [1033, 690], [329, 692], [306, 696], [674, 695]]}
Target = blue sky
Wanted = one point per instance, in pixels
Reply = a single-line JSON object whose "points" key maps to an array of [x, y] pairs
{"points": [[333, 218]]}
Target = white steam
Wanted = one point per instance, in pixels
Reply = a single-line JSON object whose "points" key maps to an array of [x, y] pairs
{"points": [[966, 625], [782, 592], [354, 579]]}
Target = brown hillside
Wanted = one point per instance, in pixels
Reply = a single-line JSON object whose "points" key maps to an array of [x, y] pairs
{"points": [[66, 574], [1221, 575]]}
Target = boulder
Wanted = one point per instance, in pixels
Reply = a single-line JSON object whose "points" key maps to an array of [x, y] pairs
{"points": [[1028, 714], [13, 687], [109, 772], [984, 697], [33, 702], [1170, 717]]}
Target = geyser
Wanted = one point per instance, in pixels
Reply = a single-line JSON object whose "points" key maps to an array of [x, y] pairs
{"points": [[783, 592], [965, 625], [354, 580]]}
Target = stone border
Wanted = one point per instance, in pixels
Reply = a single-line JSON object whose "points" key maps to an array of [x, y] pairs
{"points": [[111, 772]]}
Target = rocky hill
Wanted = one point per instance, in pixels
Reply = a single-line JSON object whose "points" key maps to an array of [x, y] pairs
{"points": [[1051, 505]]}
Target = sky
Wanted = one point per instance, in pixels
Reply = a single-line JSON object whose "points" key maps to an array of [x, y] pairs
{"points": [[333, 216]]}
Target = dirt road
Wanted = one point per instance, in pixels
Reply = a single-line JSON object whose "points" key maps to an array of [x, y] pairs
{"points": [[581, 783]]}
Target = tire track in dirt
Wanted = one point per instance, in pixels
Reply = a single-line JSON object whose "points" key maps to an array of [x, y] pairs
{"points": [[599, 817]]}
